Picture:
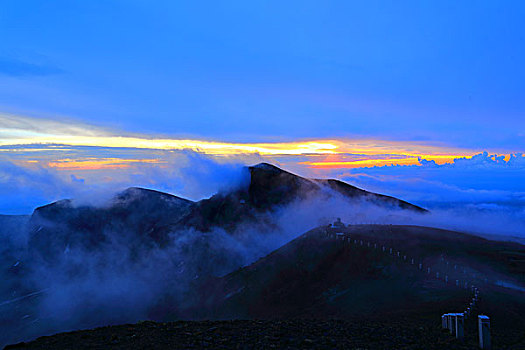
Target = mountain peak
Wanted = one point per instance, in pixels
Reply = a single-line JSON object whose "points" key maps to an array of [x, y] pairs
{"points": [[140, 193], [267, 167]]}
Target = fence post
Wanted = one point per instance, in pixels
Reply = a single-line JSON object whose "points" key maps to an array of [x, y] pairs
{"points": [[452, 324], [460, 323], [484, 331]]}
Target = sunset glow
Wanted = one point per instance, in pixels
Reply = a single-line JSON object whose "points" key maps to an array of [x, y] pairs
{"points": [[95, 164], [29, 135], [408, 159]]}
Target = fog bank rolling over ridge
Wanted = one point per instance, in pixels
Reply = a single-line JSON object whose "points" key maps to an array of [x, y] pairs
{"points": [[482, 194]]}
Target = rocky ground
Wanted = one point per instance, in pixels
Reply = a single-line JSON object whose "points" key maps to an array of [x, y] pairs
{"points": [[253, 334]]}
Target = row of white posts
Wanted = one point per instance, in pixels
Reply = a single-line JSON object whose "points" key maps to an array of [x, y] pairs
{"points": [[453, 321], [344, 237]]}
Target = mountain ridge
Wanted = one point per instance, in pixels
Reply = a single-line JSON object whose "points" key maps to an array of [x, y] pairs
{"points": [[151, 216]]}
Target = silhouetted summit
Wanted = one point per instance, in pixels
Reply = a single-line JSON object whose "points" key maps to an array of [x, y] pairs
{"points": [[136, 214], [271, 185], [147, 217]]}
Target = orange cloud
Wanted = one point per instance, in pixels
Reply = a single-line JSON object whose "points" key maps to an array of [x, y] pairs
{"points": [[97, 164], [15, 132], [392, 159]]}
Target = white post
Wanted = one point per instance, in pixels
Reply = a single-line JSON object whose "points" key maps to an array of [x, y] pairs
{"points": [[484, 331], [444, 321], [412, 262], [452, 324], [420, 266], [460, 323], [446, 279], [428, 270]]}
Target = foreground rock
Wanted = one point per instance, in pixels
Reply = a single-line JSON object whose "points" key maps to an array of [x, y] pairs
{"points": [[289, 334]]}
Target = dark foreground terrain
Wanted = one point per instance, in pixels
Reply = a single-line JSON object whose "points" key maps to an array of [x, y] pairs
{"points": [[253, 334], [337, 288]]}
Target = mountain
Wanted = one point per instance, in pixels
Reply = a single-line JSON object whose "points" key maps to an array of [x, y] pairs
{"points": [[336, 287], [271, 187], [137, 216], [147, 217], [85, 265], [320, 277]]}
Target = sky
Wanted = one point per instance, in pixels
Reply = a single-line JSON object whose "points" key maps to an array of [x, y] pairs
{"points": [[422, 100]]}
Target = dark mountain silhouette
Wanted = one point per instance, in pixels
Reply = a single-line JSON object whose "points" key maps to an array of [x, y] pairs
{"points": [[147, 217], [384, 300], [271, 187], [315, 277], [138, 216]]}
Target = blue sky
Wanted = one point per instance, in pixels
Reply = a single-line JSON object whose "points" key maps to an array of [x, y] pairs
{"points": [[108, 94], [254, 71]]}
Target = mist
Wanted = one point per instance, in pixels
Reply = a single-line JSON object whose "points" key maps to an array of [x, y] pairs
{"points": [[123, 280]]}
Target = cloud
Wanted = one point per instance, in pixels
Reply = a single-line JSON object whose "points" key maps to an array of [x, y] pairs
{"points": [[25, 186], [22, 189], [16, 127], [338, 153], [485, 193]]}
